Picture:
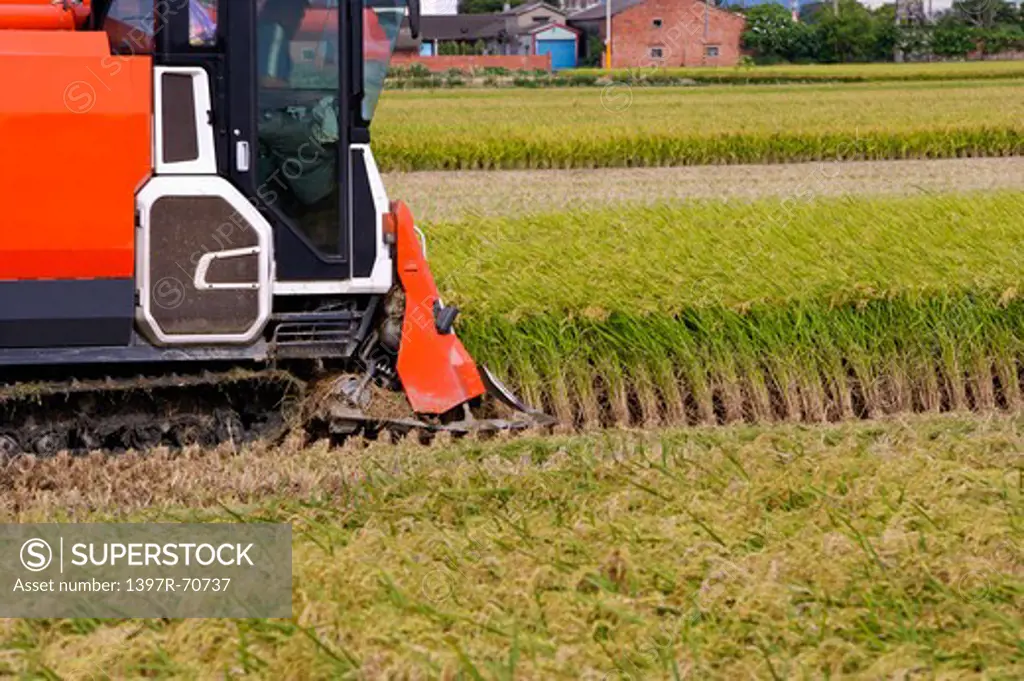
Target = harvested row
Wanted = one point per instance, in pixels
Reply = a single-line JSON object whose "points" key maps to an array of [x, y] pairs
{"points": [[632, 126], [452, 195], [848, 551], [711, 312]]}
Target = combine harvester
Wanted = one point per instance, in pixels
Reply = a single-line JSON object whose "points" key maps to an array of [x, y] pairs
{"points": [[195, 231]]}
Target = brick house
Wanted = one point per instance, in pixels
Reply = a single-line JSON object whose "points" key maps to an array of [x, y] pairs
{"points": [[664, 33]]}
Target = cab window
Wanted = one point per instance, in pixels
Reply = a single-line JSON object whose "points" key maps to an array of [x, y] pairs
{"points": [[202, 23], [129, 26], [298, 73]]}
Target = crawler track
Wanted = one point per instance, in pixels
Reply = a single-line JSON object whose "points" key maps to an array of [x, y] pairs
{"points": [[116, 414], [140, 412]]}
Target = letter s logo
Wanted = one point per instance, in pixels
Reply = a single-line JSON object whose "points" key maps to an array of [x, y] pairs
{"points": [[36, 555]]}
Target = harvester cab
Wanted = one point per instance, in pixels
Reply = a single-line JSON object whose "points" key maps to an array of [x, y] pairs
{"points": [[218, 205]]}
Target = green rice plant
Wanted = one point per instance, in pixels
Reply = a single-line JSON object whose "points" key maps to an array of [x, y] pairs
{"points": [[799, 362], [638, 126], [707, 312], [670, 257]]}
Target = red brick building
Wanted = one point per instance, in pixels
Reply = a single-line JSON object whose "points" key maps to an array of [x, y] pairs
{"points": [[664, 33]]}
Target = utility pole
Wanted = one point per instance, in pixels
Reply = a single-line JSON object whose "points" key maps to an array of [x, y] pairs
{"points": [[608, 34], [900, 11]]}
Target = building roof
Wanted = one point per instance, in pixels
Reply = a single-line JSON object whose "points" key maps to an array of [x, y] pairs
{"points": [[540, 28], [461, 26], [599, 11], [530, 6]]}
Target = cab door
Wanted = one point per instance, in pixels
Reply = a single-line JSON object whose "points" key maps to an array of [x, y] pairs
{"points": [[288, 85]]}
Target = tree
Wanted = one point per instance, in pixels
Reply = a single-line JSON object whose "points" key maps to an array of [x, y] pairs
{"points": [[952, 40], [767, 31], [485, 6], [849, 35], [980, 13], [595, 51], [772, 35], [1000, 39]]}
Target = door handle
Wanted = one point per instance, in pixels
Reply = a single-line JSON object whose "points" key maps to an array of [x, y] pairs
{"points": [[243, 157], [203, 269]]}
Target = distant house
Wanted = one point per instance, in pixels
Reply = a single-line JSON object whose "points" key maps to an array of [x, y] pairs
{"points": [[664, 33], [535, 28]]}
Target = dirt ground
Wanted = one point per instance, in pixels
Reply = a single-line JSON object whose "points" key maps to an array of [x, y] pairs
{"points": [[435, 196]]}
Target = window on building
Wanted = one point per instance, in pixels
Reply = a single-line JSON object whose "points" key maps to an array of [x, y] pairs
{"points": [[308, 54], [711, 50], [656, 23], [656, 53]]}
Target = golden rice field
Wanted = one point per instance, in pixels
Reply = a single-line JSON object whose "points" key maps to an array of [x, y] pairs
{"points": [[780, 535], [881, 550], [718, 311], [810, 73], [624, 125]]}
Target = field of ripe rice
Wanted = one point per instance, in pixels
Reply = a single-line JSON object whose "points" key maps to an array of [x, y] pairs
{"points": [[709, 311], [624, 125], [866, 550], [811, 73]]}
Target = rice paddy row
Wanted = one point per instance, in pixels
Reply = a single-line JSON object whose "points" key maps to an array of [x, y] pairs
{"points": [[629, 126], [816, 73], [712, 312], [850, 551]]}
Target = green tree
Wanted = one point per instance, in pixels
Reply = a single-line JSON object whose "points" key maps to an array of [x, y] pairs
{"points": [[485, 6], [767, 31], [850, 35], [595, 52], [979, 13], [952, 40], [1000, 39], [772, 35], [889, 37]]}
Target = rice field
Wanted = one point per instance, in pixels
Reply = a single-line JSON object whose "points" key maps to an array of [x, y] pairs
{"points": [[790, 540], [832, 73], [635, 126], [717, 311], [864, 550]]}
